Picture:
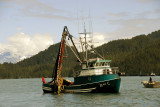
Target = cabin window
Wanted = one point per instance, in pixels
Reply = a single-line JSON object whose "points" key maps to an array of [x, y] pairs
{"points": [[100, 64], [106, 64], [103, 63], [97, 64], [91, 64], [83, 66]]}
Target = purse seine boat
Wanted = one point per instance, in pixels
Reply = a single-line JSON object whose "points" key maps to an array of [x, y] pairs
{"points": [[96, 74]]}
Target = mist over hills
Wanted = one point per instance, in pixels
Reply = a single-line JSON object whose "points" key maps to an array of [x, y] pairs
{"points": [[132, 56]]}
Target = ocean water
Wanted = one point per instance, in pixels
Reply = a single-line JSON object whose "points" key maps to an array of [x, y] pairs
{"points": [[28, 93]]}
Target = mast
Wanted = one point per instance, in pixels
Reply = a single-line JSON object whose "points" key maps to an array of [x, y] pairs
{"points": [[82, 47], [85, 43]]}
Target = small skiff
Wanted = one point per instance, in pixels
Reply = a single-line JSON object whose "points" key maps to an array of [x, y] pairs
{"points": [[153, 84]]}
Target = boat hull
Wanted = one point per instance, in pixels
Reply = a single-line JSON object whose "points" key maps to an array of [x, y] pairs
{"points": [[95, 84], [48, 88], [108, 86], [154, 84]]}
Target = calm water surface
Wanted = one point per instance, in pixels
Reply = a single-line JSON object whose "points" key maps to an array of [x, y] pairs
{"points": [[28, 93]]}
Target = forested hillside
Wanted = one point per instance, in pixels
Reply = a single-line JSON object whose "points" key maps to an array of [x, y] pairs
{"points": [[133, 56]]}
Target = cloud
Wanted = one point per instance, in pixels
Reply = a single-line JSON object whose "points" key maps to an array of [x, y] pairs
{"points": [[133, 27], [141, 23], [19, 29], [38, 9], [98, 39], [118, 15], [147, 1], [2, 48], [24, 45], [95, 39], [154, 3]]}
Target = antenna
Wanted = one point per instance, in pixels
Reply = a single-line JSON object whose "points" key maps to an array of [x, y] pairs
{"points": [[85, 42], [78, 21], [90, 28]]}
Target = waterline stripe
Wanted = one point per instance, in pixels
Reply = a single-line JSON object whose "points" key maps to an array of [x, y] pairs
{"points": [[82, 90], [94, 82]]}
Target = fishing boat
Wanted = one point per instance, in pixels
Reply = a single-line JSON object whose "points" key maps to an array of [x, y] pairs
{"points": [[152, 74], [151, 84], [96, 74]]}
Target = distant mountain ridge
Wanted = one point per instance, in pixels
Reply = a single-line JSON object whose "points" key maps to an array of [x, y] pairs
{"points": [[7, 57]]}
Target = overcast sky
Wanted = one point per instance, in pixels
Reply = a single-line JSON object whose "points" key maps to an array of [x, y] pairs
{"points": [[30, 26]]}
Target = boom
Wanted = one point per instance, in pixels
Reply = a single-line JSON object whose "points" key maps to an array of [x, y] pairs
{"points": [[57, 79]]}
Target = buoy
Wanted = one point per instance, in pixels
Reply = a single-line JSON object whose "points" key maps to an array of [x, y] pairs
{"points": [[43, 80]]}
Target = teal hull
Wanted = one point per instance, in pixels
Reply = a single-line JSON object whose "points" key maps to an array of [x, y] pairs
{"points": [[97, 84]]}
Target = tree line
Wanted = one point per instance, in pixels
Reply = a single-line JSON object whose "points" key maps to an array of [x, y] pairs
{"points": [[133, 56]]}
